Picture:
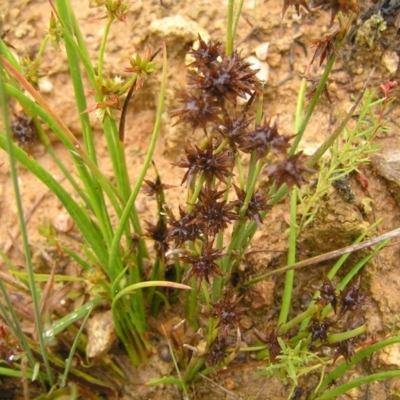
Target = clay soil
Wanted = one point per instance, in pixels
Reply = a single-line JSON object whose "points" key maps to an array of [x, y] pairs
{"points": [[338, 224]]}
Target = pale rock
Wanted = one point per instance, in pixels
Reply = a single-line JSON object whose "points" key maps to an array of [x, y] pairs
{"points": [[387, 163], [63, 222], [261, 51], [390, 60], [45, 86], [178, 33], [390, 355], [101, 334], [263, 68]]}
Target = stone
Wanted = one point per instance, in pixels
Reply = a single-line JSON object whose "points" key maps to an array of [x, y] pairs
{"points": [[390, 60], [177, 32], [45, 86], [261, 51], [263, 68], [101, 334], [387, 164], [390, 355]]}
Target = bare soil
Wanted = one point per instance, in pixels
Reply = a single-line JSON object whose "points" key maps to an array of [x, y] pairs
{"points": [[338, 224]]}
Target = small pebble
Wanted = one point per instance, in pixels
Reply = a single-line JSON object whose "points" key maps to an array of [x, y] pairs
{"points": [[63, 222], [262, 51], [263, 68], [390, 60], [164, 353], [230, 384], [45, 86]]}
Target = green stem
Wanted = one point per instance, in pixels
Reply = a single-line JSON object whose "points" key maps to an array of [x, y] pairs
{"points": [[64, 10], [300, 105], [297, 320], [101, 52], [339, 371], [287, 295], [236, 21], [339, 337], [229, 28], [42, 109], [128, 208], [42, 47], [313, 103], [251, 187], [196, 193], [322, 149], [380, 376], [22, 225]]}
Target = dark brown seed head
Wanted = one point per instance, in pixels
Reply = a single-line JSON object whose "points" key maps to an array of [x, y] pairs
{"points": [[203, 265], [24, 131], [319, 330], [327, 294], [155, 188], [206, 54], [227, 312], [217, 352], [212, 165], [325, 47], [233, 129], [264, 139], [183, 229], [227, 79], [270, 338], [258, 203], [212, 213], [289, 171], [344, 6], [344, 348], [197, 110], [159, 234], [352, 298]]}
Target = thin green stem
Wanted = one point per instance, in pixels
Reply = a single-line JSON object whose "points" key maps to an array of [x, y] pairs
{"points": [[251, 187], [229, 28], [340, 370], [24, 233], [297, 320], [300, 105], [74, 346], [322, 149], [313, 103], [339, 337], [64, 10], [196, 193], [130, 203], [236, 21], [42, 47], [102, 50], [287, 295], [42, 109], [380, 376], [76, 77]]}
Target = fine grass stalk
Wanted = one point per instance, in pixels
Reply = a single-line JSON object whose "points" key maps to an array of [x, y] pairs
{"points": [[24, 235]]}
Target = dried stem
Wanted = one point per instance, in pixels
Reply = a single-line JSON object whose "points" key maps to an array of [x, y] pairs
{"points": [[329, 256]]}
